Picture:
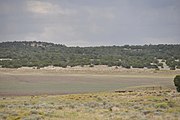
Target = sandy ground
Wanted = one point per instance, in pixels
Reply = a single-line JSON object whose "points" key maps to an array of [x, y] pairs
{"points": [[97, 70]]}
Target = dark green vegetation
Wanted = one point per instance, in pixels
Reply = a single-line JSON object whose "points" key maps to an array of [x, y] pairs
{"points": [[42, 54], [177, 82]]}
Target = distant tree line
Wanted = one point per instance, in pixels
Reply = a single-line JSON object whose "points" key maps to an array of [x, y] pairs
{"points": [[41, 54]]}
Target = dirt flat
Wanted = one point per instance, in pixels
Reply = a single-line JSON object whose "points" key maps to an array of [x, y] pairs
{"points": [[79, 80]]}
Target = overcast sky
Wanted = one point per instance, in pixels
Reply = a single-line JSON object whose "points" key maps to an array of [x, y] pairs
{"points": [[91, 22]]}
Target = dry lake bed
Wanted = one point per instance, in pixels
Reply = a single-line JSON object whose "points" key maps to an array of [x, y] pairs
{"points": [[38, 82]]}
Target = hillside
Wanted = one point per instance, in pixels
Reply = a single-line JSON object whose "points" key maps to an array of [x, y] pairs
{"points": [[41, 54]]}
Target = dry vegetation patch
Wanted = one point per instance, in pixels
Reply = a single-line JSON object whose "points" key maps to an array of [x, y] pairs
{"points": [[138, 105]]}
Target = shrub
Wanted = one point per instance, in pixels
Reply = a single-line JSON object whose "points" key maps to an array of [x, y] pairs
{"points": [[162, 105], [178, 67], [157, 69], [91, 65], [173, 68], [177, 82]]}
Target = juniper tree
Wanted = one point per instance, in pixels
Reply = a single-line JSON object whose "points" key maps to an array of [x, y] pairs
{"points": [[177, 82]]}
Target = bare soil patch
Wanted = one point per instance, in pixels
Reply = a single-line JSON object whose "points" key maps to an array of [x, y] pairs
{"points": [[80, 80]]}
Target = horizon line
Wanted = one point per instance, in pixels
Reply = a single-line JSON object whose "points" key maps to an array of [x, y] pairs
{"points": [[148, 44]]}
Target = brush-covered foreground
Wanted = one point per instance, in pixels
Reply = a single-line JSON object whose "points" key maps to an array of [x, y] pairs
{"points": [[137, 105]]}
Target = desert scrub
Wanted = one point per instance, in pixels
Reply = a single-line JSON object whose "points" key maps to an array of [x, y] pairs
{"points": [[162, 105], [33, 117], [155, 99], [99, 106], [172, 103], [2, 105]]}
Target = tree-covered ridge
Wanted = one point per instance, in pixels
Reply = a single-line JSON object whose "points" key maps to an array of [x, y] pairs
{"points": [[41, 54]]}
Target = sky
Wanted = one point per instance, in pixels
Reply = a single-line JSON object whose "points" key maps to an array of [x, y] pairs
{"points": [[91, 22]]}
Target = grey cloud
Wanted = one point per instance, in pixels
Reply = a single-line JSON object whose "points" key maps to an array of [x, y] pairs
{"points": [[89, 23]]}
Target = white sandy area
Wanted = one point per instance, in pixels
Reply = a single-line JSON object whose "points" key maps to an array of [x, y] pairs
{"points": [[96, 70]]}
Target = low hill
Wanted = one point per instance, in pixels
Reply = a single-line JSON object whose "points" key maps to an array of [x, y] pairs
{"points": [[41, 54]]}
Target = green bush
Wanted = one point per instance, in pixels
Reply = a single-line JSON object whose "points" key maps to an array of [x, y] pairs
{"points": [[172, 68], [177, 82], [162, 105], [91, 65]]}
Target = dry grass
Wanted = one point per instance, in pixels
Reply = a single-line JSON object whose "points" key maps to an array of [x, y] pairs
{"points": [[138, 105], [142, 104]]}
